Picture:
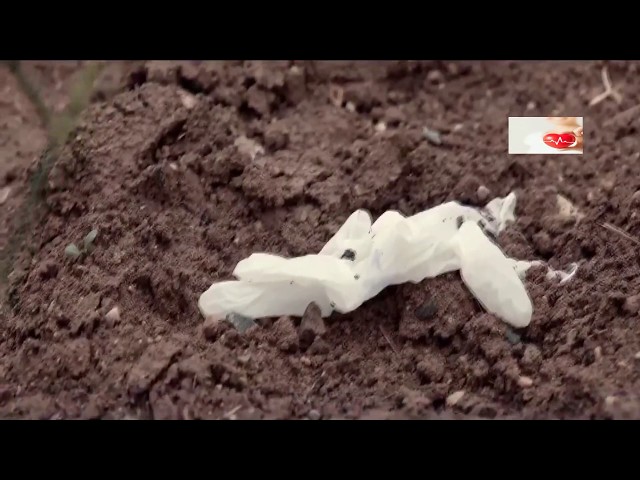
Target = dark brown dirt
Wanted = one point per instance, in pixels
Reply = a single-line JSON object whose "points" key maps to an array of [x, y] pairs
{"points": [[179, 197], [22, 139]]}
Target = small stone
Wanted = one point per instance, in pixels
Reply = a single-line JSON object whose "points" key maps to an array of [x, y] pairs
{"points": [[336, 95], [380, 127], [248, 147], [314, 415], [635, 198], [295, 84], [426, 311], [483, 193], [306, 361], [637, 356], [608, 183], [311, 326], [350, 106], [113, 316], [632, 304], [188, 101], [597, 352], [610, 400], [4, 194], [454, 398], [432, 136], [435, 76], [513, 337], [566, 209], [531, 106], [240, 322], [525, 382], [286, 337]]}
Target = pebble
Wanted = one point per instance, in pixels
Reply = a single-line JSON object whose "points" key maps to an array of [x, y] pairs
{"points": [[380, 127], [244, 359], [311, 326], [426, 311], [531, 106], [454, 398], [4, 194], [295, 82], [598, 352], [435, 76], [113, 315], [306, 361], [433, 136], [632, 304], [336, 95], [525, 382], [350, 106], [610, 400], [635, 198], [241, 322], [248, 147], [483, 193], [188, 101], [314, 415], [637, 356], [513, 337]]}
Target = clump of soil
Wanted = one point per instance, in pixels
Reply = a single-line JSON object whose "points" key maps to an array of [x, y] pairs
{"points": [[194, 166]]}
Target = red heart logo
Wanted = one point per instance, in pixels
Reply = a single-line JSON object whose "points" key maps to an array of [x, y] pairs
{"points": [[560, 140]]}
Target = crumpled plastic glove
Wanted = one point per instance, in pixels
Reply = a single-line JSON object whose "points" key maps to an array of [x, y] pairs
{"points": [[491, 276], [362, 259]]}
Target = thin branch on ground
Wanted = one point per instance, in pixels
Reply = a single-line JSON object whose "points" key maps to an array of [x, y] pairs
{"points": [[609, 91], [230, 415], [621, 232], [389, 341]]}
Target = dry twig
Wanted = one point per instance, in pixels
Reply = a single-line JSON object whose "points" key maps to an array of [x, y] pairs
{"points": [[609, 91], [230, 415], [621, 232], [389, 341]]}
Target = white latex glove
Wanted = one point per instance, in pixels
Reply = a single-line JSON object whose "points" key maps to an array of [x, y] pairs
{"points": [[491, 276]]}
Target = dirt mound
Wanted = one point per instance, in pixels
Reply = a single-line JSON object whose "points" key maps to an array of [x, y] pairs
{"points": [[195, 165]]}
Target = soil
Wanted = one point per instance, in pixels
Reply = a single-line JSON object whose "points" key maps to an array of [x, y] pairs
{"points": [[22, 139], [185, 168]]}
